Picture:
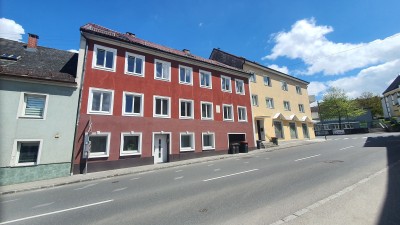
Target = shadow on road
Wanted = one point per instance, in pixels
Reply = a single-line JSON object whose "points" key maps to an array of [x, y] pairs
{"points": [[390, 214]]}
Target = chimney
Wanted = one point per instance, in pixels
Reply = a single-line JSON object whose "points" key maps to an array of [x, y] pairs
{"points": [[187, 51], [32, 41], [131, 34]]}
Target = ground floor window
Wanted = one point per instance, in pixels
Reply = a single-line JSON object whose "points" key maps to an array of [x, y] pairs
{"points": [[131, 143], [278, 129], [187, 142], [27, 152], [208, 141], [293, 130], [99, 144]]}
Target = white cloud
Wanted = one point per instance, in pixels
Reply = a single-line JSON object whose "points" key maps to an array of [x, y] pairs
{"points": [[316, 88], [308, 42], [282, 69], [200, 24], [73, 50], [11, 30]]}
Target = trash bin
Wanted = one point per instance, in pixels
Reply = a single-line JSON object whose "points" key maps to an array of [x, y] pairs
{"points": [[244, 147], [233, 148], [274, 140], [259, 144]]}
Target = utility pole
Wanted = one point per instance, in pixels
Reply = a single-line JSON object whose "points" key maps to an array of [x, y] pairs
{"points": [[322, 121]]}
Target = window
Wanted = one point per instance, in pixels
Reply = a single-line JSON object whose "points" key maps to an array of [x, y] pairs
{"points": [[185, 75], [239, 86], [186, 109], [100, 101], [298, 89], [208, 141], [131, 143], [301, 108], [254, 100], [99, 145], [162, 107], [228, 112], [267, 81], [104, 58], [26, 152], [205, 79], [242, 114], [206, 111], [226, 84], [132, 104], [270, 102], [134, 64], [284, 85], [187, 141], [33, 105], [252, 77], [286, 105], [162, 70]]}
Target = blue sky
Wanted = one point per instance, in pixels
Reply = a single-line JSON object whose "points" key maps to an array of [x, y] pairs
{"points": [[351, 44]]}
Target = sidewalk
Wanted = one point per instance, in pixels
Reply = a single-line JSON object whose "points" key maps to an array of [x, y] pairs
{"points": [[8, 189]]}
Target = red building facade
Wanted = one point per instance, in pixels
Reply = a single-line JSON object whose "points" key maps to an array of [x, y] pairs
{"points": [[142, 103]]}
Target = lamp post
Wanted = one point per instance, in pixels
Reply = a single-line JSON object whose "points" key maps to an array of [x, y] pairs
{"points": [[320, 118]]}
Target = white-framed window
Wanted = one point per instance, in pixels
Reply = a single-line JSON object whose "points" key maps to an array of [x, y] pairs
{"points": [[269, 102], [253, 77], [242, 114], [267, 81], [33, 105], [208, 140], [99, 144], [205, 79], [226, 84], [206, 110], [186, 109], [185, 75], [286, 105], [162, 70], [134, 64], [26, 152], [228, 112], [100, 101], [301, 108], [132, 104], [162, 107], [254, 100], [187, 142], [131, 143], [239, 84], [284, 85], [298, 89], [104, 58]]}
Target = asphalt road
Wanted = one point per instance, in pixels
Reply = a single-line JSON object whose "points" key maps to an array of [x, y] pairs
{"points": [[252, 189]]}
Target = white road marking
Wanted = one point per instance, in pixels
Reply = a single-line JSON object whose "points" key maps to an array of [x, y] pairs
{"points": [[245, 162], [55, 212], [233, 174], [135, 178], [266, 158], [346, 148], [215, 170], [354, 138], [43, 205], [307, 157], [12, 200], [178, 171], [364, 137], [345, 138], [86, 186], [119, 189], [178, 178], [210, 165]]}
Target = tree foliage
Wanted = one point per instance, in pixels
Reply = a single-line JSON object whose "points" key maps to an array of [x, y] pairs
{"points": [[367, 100]]}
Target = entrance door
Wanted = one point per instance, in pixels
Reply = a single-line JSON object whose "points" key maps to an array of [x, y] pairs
{"points": [[260, 130], [278, 129], [293, 131], [305, 130], [160, 149]]}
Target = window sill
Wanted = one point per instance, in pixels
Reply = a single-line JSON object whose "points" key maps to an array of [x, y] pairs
{"points": [[186, 150], [100, 113], [128, 153], [206, 87], [91, 156], [207, 119], [186, 118], [135, 115], [134, 74], [104, 68], [225, 120], [227, 91], [208, 149], [162, 117], [25, 164], [31, 117], [162, 79], [242, 121]]}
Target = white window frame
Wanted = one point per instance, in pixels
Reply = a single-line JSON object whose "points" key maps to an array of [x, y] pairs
{"points": [[124, 153], [107, 49], [207, 73], [192, 147], [284, 85], [230, 84], [16, 152], [90, 99], [288, 106], [154, 106], [212, 110], [301, 108], [167, 64], [223, 112], [252, 77], [205, 148], [187, 69], [298, 90], [236, 86], [124, 103], [102, 154], [272, 103], [22, 106], [269, 81], [252, 100], [238, 113], [127, 55], [191, 108]]}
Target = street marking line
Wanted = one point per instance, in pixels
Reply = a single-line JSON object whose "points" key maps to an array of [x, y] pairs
{"points": [[215, 170], [86, 186], [178, 178], [345, 138], [12, 200], [346, 148], [364, 137], [245, 162], [229, 175], [43, 205], [307, 157], [354, 138], [210, 165], [120, 189], [55, 212], [178, 171], [135, 178]]}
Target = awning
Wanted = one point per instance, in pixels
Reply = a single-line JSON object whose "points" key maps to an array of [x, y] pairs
{"points": [[293, 117], [279, 116]]}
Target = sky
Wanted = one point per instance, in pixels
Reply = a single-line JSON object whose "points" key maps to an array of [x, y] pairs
{"points": [[349, 44]]}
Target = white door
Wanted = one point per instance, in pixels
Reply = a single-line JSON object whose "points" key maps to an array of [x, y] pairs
{"points": [[160, 148]]}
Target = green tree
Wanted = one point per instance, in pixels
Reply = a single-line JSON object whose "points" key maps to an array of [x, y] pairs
{"points": [[367, 100], [337, 105]]}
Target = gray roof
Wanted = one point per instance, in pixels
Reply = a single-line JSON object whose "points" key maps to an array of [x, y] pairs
{"points": [[394, 85], [40, 64]]}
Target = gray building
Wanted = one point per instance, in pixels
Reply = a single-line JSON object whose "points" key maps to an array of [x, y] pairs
{"points": [[39, 93]]}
